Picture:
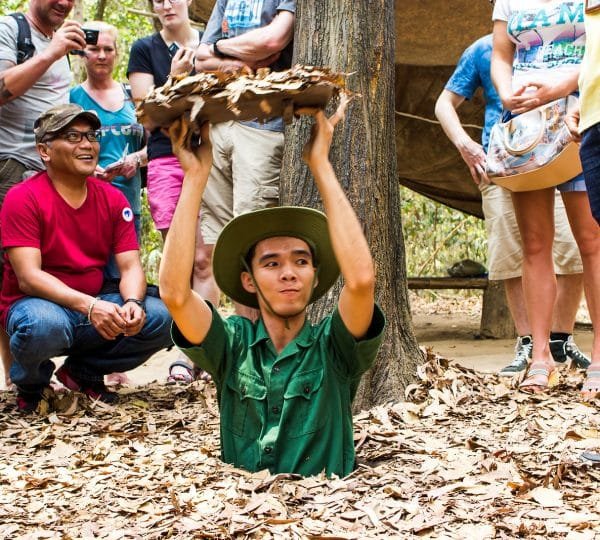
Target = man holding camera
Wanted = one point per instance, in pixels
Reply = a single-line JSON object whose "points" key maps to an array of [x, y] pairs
{"points": [[59, 229], [28, 88]]}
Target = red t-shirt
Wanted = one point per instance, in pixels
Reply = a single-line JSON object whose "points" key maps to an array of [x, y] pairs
{"points": [[75, 244]]}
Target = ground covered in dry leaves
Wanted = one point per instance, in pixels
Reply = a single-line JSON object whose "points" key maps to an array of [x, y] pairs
{"points": [[464, 457]]}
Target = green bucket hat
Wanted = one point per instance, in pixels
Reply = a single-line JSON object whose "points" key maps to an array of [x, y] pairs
{"points": [[243, 232]]}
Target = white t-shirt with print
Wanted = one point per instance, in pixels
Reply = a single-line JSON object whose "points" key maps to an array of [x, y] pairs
{"points": [[549, 37]]}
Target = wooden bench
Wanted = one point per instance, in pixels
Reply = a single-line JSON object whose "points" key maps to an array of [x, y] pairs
{"points": [[496, 321]]}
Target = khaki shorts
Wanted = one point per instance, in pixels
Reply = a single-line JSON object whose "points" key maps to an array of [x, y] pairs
{"points": [[505, 254], [244, 176]]}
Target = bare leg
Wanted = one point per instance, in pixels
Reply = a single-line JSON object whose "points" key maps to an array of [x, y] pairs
{"points": [[203, 281], [535, 216], [587, 234], [568, 298], [6, 357], [513, 289], [569, 290]]}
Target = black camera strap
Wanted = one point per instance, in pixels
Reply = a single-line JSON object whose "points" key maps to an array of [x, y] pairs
{"points": [[25, 46]]}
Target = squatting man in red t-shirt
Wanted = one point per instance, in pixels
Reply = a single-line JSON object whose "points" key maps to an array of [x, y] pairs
{"points": [[59, 229]]}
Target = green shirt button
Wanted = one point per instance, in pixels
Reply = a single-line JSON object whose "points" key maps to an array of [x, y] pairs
{"points": [[275, 410], [268, 449], [307, 389]]}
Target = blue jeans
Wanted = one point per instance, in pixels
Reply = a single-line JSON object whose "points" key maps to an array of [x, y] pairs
{"points": [[40, 329], [590, 159]]}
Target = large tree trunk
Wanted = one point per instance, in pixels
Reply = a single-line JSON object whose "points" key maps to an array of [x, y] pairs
{"points": [[77, 66], [357, 36], [100, 9]]}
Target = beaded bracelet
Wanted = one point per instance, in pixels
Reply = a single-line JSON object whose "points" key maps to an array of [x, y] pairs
{"points": [[92, 304]]}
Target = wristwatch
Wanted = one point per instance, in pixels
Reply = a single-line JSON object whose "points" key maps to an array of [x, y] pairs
{"points": [[218, 53], [140, 303]]}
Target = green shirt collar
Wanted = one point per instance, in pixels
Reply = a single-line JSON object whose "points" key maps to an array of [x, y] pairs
{"points": [[305, 337]]}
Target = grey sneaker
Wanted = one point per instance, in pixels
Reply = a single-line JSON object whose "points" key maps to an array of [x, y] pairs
{"points": [[563, 350], [523, 350]]}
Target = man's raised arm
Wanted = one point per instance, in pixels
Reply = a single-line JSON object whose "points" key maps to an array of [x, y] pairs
{"points": [[190, 312], [15, 80], [356, 303]]}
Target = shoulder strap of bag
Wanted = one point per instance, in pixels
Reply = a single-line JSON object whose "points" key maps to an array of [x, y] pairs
{"points": [[25, 46], [127, 91]]}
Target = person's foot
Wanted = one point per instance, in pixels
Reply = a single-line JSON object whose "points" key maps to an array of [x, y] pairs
{"points": [[201, 375], [8, 384], [540, 378], [523, 349], [183, 371], [95, 390], [44, 400], [591, 385], [117, 379], [29, 400], [180, 372], [568, 350]]}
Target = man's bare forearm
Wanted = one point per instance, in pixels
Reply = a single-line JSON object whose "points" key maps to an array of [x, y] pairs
{"points": [[177, 260], [133, 281], [445, 112], [44, 285], [349, 243], [17, 80], [255, 45], [190, 312]]}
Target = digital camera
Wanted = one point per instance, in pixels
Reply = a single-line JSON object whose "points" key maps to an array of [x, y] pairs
{"points": [[91, 36]]}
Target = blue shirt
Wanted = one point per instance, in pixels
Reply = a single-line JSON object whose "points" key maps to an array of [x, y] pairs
{"points": [[472, 72], [119, 129]]}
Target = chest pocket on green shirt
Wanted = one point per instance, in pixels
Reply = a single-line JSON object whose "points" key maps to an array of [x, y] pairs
{"points": [[304, 404], [243, 408]]}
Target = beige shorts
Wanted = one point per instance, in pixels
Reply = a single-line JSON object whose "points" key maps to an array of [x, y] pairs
{"points": [[244, 176], [505, 254]]}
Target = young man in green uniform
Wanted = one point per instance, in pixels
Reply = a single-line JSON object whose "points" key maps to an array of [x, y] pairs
{"points": [[284, 386]]}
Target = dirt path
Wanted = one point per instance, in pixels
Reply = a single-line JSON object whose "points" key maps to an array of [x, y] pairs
{"points": [[448, 325]]}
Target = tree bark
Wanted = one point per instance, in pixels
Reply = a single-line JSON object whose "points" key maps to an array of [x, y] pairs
{"points": [[77, 65], [358, 37], [100, 8], [496, 320]]}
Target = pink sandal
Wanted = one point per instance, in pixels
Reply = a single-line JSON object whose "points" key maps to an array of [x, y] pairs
{"points": [[591, 386], [535, 373], [180, 372]]}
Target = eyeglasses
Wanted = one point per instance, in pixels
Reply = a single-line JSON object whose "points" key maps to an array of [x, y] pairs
{"points": [[160, 3], [74, 136]]}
